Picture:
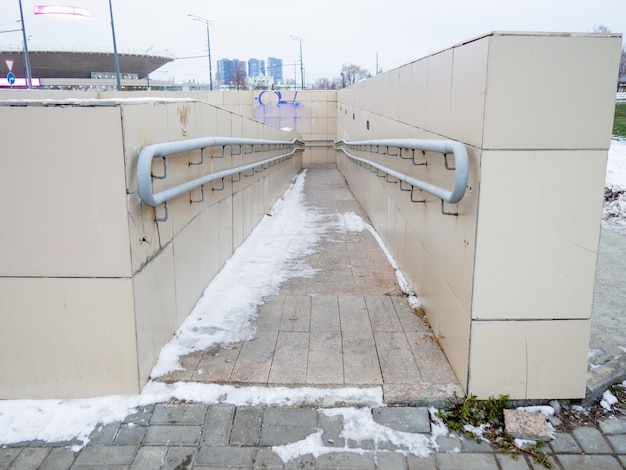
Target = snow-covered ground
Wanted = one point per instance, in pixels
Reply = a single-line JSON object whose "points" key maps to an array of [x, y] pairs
{"points": [[276, 246], [614, 211]]}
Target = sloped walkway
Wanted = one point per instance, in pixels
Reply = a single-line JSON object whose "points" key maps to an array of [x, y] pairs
{"points": [[349, 325]]}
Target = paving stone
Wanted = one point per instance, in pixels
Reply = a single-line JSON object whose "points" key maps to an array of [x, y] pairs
{"points": [[163, 457], [173, 435], [266, 459], [396, 358], [613, 426], [421, 463], [325, 361], [304, 461], [280, 435], [525, 425], [346, 460], [591, 441], [104, 435], [507, 462], [290, 417], [186, 414], [382, 313], [564, 444], [141, 417], [247, 426], [618, 441], [219, 420], [622, 459], [296, 314], [59, 458], [587, 462], [7, 455], [466, 461], [472, 445], [226, 456], [332, 427], [289, 365], [255, 359], [360, 361], [129, 435], [449, 444], [325, 314], [405, 419], [29, 458], [106, 455], [389, 460]]}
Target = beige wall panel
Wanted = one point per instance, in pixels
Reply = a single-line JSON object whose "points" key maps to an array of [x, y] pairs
{"points": [[54, 332], [209, 246], [238, 219], [226, 217], [71, 216], [187, 268], [529, 359], [548, 71], [538, 234], [469, 84], [438, 98], [155, 309]]}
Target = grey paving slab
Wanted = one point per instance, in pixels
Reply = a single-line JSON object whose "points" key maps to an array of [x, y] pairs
{"points": [[164, 434], [164, 457], [353, 313], [564, 444], [360, 359], [431, 361], [141, 416], [588, 462], [290, 417], [104, 435], [382, 313], [591, 441], [59, 458], [217, 365], [508, 462], [613, 425], [246, 428], [325, 313], [474, 446], [396, 358], [30, 457], [265, 458], [180, 413], [289, 365], [129, 435], [281, 435], [296, 313], [409, 319], [255, 359], [421, 463], [448, 444], [332, 427], [219, 420], [7, 455], [346, 460], [389, 460], [465, 461], [270, 313], [226, 456], [106, 455], [618, 441], [405, 419], [325, 361]]}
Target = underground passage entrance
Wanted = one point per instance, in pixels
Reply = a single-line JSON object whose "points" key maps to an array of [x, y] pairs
{"points": [[346, 325]]}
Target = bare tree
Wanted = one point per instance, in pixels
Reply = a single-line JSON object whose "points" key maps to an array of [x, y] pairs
{"points": [[326, 84], [352, 74]]}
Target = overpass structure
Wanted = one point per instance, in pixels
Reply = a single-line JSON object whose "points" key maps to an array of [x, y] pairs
{"points": [[95, 280]]}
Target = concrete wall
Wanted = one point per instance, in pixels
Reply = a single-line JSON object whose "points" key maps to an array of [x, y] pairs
{"points": [[507, 284], [91, 287]]}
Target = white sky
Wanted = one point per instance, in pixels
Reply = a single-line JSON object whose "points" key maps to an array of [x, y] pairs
{"points": [[334, 32]]}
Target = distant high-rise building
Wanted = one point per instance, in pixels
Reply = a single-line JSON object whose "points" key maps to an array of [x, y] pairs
{"points": [[275, 68], [256, 67], [231, 72]]}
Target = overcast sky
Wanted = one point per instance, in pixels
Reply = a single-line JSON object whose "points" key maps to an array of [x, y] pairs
{"points": [[334, 32]]}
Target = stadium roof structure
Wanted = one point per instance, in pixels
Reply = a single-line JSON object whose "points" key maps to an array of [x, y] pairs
{"points": [[80, 65]]}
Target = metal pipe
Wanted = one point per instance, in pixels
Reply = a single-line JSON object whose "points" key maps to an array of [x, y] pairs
{"points": [[165, 149], [445, 147]]}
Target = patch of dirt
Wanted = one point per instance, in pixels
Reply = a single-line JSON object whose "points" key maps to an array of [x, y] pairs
{"points": [[572, 415]]}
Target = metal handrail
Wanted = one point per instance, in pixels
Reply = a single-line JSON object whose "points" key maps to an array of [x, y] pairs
{"points": [[165, 149], [461, 167]]}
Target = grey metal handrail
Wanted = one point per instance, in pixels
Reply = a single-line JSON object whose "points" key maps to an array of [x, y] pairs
{"points": [[165, 149], [445, 147]]}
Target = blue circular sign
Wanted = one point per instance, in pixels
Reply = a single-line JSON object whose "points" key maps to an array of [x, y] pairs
{"points": [[11, 78]]}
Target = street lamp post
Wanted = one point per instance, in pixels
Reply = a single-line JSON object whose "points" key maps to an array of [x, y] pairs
{"points": [[115, 57], [208, 41], [29, 77], [296, 38]]}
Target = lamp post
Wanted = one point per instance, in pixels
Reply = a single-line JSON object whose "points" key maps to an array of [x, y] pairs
{"points": [[147, 71], [115, 57], [29, 77], [208, 41], [296, 38]]}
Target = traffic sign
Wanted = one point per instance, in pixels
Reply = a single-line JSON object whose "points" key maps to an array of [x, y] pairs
{"points": [[9, 64], [11, 78]]}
